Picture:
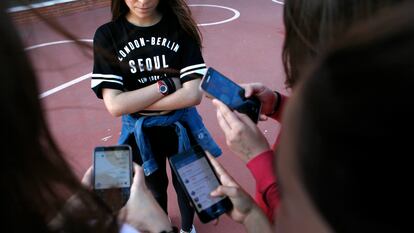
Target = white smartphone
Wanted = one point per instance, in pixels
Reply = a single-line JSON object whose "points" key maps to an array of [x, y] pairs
{"points": [[112, 179]]}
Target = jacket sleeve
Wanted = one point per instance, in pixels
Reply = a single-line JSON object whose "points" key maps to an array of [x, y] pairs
{"points": [[267, 193]]}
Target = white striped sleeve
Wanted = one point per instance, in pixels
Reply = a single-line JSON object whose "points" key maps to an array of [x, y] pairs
{"points": [[99, 81], [199, 69]]}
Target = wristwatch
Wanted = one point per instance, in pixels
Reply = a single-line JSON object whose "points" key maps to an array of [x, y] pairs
{"points": [[162, 87]]}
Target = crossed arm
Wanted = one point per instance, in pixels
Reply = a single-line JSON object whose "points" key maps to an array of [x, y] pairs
{"points": [[148, 98]]}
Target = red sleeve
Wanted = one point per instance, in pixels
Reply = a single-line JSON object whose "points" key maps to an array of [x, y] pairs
{"points": [[267, 194], [278, 115]]}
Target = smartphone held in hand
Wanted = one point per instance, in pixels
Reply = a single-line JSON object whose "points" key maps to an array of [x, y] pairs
{"points": [[198, 179], [222, 88], [112, 168]]}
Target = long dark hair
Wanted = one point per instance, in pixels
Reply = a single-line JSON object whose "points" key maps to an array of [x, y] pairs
{"points": [[312, 25], [355, 117], [175, 8], [36, 180]]}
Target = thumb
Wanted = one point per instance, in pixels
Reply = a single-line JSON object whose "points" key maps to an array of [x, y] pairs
{"points": [[263, 117], [224, 191], [248, 91], [87, 178], [252, 89]]}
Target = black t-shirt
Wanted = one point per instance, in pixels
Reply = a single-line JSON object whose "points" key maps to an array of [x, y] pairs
{"points": [[128, 57]]}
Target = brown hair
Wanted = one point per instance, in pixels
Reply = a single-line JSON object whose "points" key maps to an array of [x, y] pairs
{"points": [[175, 8], [36, 180], [355, 112], [312, 25]]}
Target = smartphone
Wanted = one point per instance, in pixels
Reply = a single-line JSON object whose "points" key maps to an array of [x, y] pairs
{"points": [[219, 86], [112, 178], [198, 179]]}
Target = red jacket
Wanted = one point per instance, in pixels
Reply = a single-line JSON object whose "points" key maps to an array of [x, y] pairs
{"points": [[263, 170]]}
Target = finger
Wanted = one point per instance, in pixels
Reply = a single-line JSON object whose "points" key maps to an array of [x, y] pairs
{"points": [[252, 89], [248, 89], [139, 177], [220, 105], [245, 119], [216, 221], [228, 115], [216, 165], [223, 123], [263, 117], [223, 175], [225, 191], [87, 177]]}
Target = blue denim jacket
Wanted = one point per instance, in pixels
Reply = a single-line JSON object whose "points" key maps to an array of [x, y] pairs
{"points": [[189, 116]]}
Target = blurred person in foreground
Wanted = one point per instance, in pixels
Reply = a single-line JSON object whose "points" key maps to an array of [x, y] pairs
{"points": [[40, 192], [344, 158]]}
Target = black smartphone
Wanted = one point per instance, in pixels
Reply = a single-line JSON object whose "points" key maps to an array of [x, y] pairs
{"points": [[112, 174], [218, 86], [198, 179]]}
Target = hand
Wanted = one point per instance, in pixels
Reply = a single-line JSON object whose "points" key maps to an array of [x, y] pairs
{"points": [[242, 202], [142, 210], [244, 210], [243, 136], [87, 178], [265, 95]]}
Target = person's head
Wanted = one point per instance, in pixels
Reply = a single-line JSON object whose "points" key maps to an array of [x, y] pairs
{"points": [[312, 25], [345, 156], [173, 8], [36, 180]]}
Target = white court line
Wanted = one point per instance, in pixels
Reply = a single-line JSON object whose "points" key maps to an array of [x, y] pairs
{"points": [[37, 5], [235, 16], [279, 2], [65, 85], [56, 42], [106, 138]]}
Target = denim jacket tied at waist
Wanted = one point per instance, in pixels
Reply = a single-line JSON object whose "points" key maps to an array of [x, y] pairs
{"points": [[132, 124]]}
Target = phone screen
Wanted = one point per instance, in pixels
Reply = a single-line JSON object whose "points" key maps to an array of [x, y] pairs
{"points": [[112, 169], [199, 180], [113, 175], [223, 89]]}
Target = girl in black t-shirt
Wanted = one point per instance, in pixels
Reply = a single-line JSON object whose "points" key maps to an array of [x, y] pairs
{"points": [[147, 61]]}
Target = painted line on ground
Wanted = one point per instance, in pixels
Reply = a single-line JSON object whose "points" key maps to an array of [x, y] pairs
{"points": [[106, 138], [65, 85], [36, 5], [279, 2], [235, 16], [56, 43]]}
